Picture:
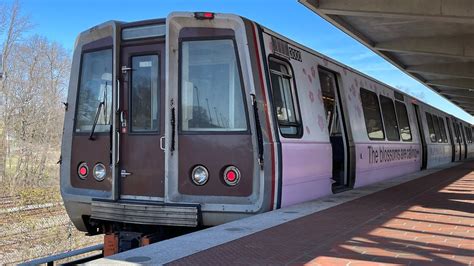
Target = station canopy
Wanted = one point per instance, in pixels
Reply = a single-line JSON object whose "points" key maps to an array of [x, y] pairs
{"points": [[430, 40]]}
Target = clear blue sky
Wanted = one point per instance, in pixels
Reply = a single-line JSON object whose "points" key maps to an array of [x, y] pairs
{"points": [[62, 20]]}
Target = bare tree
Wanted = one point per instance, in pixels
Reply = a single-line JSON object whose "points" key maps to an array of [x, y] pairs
{"points": [[12, 27], [38, 78], [33, 86]]}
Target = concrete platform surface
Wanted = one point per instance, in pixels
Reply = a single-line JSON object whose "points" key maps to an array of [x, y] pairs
{"points": [[425, 218]]}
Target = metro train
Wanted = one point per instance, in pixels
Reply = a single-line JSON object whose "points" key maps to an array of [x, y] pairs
{"points": [[203, 118]]}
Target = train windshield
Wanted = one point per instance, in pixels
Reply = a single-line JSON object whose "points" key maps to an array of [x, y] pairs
{"points": [[211, 92], [95, 87]]}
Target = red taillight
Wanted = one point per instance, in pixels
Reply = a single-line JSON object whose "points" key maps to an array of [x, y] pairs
{"points": [[231, 175], [204, 15], [83, 170]]}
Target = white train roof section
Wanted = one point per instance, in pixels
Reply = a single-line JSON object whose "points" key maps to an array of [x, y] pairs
{"points": [[430, 40]]}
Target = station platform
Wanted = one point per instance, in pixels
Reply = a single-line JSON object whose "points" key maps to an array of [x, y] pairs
{"points": [[424, 218]]}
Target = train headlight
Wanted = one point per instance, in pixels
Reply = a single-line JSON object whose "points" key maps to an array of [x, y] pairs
{"points": [[231, 175], [199, 175], [82, 170], [99, 172]]}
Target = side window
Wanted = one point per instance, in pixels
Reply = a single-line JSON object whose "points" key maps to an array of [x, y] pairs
{"points": [[436, 128], [456, 131], [211, 92], [431, 129], [403, 121], [442, 129], [389, 118], [468, 130], [144, 93], [461, 134], [285, 99], [373, 119], [467, 135]]}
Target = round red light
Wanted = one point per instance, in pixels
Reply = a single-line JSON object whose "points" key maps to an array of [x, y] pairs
{"points": [[83, 170], [231, 175]]}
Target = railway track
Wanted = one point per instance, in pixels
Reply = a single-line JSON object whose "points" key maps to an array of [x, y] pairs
{"points": [[35, 230]]}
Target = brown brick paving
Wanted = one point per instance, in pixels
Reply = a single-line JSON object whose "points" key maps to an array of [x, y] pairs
{"points": [[429, 221]]}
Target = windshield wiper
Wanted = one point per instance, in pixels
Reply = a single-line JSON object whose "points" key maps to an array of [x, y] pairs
{"points": [[97, 113]]}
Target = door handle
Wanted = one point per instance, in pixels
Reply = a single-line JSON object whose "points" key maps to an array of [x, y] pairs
{"points": [[124, 173], [125, 69], [162, 143]]}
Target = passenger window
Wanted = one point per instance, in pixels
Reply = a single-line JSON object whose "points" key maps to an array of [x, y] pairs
{"points": [[461, 134], [95, 87], [145, 93], [431, 129], [403, 121], [436, 129], [469, 133], [442, 128], [456, 131], [371, 109], [285, 99], [453, 130], [211, 91], [389, 118]]}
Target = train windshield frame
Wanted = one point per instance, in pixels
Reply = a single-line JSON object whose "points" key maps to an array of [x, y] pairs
{"points": [[95, 86]]}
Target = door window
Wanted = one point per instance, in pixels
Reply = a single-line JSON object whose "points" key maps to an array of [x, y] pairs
{"points": [[145, 92], [211, 90], [328, 88]]}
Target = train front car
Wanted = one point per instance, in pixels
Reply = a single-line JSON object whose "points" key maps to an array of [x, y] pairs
{"points": [[161, 130]]}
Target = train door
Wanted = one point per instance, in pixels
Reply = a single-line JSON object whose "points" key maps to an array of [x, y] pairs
{"points": [[142, 156], [452, 140], [424, 155], [336, 130]]}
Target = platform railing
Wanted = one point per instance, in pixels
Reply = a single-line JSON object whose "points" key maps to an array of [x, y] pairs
{"points": [[50, 260]]}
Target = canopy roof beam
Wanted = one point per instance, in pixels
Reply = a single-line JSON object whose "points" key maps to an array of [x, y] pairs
{"points": [[446, 46], [459, 11], [459, 70], [456, 83]]}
